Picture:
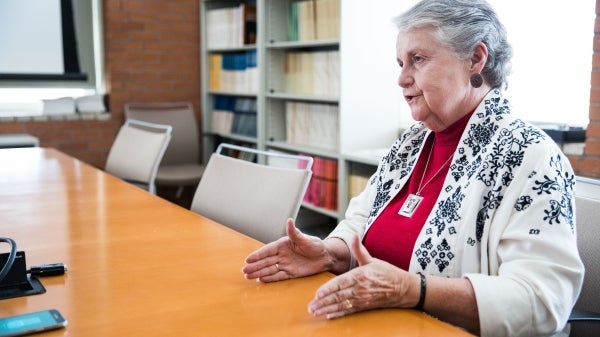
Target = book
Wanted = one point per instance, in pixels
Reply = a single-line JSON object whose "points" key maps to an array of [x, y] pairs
{"points": [[90, 104], [239, 74], [322, 188], [293, 21], [215, 62], [312, 124], [306, 20], [236, 72], [249, 19], [312, 73], [244, 117], [314, 20], [327, 19], [252, 73], [59, 106], [234, 115], [222, 114], [356, 184], [231, 27]]}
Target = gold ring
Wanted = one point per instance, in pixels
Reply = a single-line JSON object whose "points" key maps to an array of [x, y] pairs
{"points": [[277, 266], [348, 304]]}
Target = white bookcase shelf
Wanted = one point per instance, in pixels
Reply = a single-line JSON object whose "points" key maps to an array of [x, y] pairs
{"points": [[344, 108]]}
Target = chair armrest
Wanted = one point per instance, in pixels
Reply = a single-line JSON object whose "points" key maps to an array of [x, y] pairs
{"points": [[584, 316]]}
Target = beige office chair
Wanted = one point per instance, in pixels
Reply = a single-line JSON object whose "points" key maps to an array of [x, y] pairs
{"points": [[137, 151], [254, 199], [585, 317], [181, 165]]}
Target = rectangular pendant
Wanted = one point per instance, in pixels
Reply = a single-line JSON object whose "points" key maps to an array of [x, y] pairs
{"points": [[410, 205]]}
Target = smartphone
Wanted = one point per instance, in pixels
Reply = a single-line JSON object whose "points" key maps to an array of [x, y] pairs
{"points": [[29, 323]]}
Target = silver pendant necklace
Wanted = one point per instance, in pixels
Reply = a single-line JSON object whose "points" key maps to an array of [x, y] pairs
{"points": [[413, 200]]}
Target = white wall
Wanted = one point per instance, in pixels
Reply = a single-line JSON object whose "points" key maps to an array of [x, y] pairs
{"points": [[552, 42], [372, 105]]}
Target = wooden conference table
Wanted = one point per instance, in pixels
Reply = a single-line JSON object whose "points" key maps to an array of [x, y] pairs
{"points": [[142, 266]]}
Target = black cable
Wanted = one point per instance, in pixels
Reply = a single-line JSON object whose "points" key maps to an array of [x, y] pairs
{"points": [[11, 257]]}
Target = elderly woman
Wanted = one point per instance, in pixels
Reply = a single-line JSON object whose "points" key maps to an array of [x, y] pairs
{"points": [[469, 217]]}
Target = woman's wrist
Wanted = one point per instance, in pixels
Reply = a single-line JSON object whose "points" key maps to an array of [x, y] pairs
{"points": [[411, 297], [422, 291], [338, 255]]}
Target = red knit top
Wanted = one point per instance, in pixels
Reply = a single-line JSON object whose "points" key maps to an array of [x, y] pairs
{"points": [[392, 237]]}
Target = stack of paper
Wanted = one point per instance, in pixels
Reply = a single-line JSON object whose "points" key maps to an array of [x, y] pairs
{"points": [[59, 106], [90, 104]]}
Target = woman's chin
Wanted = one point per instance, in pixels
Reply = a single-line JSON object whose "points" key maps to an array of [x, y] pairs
{"points": [[418, 116], [430, 123]]}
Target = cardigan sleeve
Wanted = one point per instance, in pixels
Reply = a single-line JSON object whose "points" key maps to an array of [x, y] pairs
{"points": [[535, 269]]}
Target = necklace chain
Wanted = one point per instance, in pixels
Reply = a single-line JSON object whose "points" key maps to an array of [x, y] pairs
{"points": [[421, 186]]}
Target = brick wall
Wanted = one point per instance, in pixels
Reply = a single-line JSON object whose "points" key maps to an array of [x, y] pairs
{"points": [[151, 55], [588, 165], [152, 51]]}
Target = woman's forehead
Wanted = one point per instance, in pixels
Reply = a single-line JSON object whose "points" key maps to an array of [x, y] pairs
{"points": [[418, 38]]}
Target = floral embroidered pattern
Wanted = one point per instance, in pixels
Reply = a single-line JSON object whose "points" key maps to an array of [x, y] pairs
{"points": [[441, 254], [422, 254], [480, 136], [400, 163], [523, 203], [490, 201], [561, 182], [447, 211], [493, 150]]}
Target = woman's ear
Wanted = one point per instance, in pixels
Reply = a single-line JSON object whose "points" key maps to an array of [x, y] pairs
{"points": [[479, 58]]}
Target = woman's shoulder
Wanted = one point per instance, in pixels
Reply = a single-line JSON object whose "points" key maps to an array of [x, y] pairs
{"points": [[495, 120]]}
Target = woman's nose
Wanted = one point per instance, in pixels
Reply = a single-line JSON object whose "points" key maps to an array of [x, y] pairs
{"points": [[404, 79]]}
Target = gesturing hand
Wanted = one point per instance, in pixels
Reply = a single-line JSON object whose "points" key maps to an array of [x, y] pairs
{"points": [[373, 284], [295, 255]]}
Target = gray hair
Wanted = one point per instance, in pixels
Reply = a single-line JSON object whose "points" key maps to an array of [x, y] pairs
{"points": [[461, 25]]}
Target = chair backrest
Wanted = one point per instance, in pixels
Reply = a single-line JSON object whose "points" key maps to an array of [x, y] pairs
{"points": [[137, 151], [185, 142], [588, 240], [587, 213], [252, 198]]}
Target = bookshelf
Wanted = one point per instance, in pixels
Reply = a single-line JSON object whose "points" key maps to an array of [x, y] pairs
{"points": [[323, 85], [231, 78]]}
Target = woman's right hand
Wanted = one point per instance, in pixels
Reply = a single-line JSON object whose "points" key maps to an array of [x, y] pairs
{"points": [[294, 255]]}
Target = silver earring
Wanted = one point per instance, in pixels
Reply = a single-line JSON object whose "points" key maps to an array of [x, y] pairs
{"points": [[476, 80]]}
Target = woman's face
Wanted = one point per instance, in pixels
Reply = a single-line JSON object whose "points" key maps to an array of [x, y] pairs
{"points": [[435, 83]]}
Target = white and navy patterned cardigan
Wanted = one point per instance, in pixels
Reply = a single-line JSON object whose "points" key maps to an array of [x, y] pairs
{"points": [[504, 219]]}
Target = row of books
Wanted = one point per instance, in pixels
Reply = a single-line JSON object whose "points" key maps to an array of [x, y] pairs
{"points": [[312, 124], [356, 184], [243, 155], [322, 188], [314, 20], [234, 72], [312, 73], [234, 115], [231, 27]]}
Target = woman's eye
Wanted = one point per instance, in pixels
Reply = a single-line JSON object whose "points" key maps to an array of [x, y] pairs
{"points": [[417, 58]]}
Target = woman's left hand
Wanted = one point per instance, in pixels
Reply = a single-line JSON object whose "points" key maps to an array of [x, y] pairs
{"points": [[373, 284]]}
